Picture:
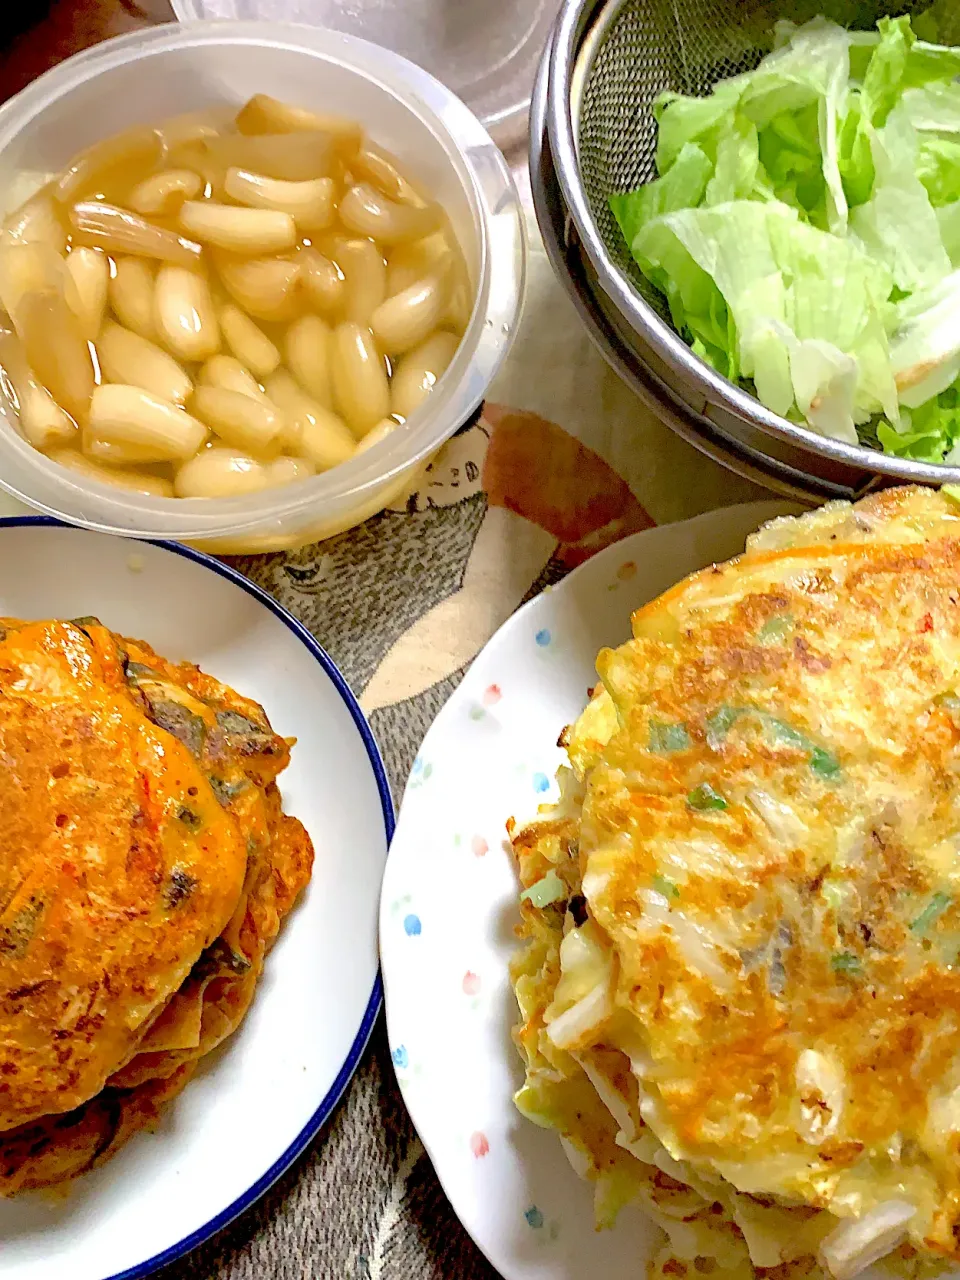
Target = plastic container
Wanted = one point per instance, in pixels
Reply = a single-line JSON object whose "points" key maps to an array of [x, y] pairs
{"points": [[487, 53], [153, 74]]}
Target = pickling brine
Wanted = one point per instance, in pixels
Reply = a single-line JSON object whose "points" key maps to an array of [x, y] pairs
{"points": [[215, 306]]}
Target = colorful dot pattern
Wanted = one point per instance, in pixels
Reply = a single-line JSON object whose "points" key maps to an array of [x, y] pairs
{"points": [[421, 771], [471, 983], [479, 1145]]}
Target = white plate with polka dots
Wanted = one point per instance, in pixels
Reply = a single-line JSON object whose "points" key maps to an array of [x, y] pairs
{"points": [[449, 905]]}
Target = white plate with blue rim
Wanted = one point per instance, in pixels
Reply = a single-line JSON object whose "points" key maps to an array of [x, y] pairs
{"points": [[450, 904], [260, 1099]]}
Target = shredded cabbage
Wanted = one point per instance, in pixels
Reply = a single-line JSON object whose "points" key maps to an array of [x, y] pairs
{"points": [[805, 230]]}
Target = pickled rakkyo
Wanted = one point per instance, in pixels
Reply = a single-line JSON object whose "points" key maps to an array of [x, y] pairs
{"points": [[208, 307]]}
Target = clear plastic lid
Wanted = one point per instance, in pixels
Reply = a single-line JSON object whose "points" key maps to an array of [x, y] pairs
{"points": [[486, 51]]}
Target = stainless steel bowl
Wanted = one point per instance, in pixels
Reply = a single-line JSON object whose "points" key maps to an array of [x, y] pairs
{"points": [[593, 133]]}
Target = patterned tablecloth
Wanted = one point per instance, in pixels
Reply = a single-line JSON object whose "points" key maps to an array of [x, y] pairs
{"points": [[562, 462]]}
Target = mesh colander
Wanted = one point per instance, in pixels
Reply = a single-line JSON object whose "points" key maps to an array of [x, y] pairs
{"points": [[593, 134]]}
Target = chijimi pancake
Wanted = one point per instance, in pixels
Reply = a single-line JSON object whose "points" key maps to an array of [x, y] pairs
{"points": [[740, 990], [146, 865]]}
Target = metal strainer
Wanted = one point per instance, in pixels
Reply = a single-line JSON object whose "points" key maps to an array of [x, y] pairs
{"points": [[593, 134]]}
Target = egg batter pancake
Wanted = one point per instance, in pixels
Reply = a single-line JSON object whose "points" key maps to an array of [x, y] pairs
{"points": [[146, 865], [740, 994]]}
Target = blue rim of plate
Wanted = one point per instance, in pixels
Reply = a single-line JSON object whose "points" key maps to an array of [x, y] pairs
{"points": [[374, 1004]]}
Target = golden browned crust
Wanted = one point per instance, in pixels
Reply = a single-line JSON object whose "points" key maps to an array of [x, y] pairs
{"points": [[108, 895], [769, 844], [177, 872]]}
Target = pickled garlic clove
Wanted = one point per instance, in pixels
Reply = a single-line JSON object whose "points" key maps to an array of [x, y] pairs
{"points": [[115, 454], [359, 374], [263, 114], [163, 193], [459, 301], [28, 268], [227, 372], [136, 149], [131, 294], [323, 281], [249, 344], [127, 357], [221, 473], [378, 433], [408, 318], [290, 157], [135, 481], [380, 168], [56, 349], [252, 232], [190, 130], [88, 279], [365, 274], [307, 349], [105, 226], [407, 263], [131, 416], [184, 314], [239, 420], [286, 470], [312, 430], [38, 221], [42, 421], [264, 287], [418, 372], [311, 204], [366, 211]]}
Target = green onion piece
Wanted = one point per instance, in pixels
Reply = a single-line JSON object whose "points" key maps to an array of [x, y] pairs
{"points": [[665, 887], [845, 962], [783, 732], [704, 797], [948, 700], [775, 629], [665, 738], [825, 764], [951, 491], [932, 911], [720, 723], [550, 889]]}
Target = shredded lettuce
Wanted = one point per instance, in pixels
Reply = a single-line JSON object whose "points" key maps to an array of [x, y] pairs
{"points": [[805, 230]]}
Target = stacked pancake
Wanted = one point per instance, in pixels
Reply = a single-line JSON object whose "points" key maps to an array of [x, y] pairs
{"points": [[145, 868], [740, 989]]}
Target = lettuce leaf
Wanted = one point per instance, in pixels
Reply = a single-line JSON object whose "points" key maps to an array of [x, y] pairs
{"points": [[925, 349], [898, 224], [805, 229], [681, 187], [938, 168], [681, 120], [930, 433], [805, 306], [879, 92]]}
